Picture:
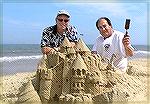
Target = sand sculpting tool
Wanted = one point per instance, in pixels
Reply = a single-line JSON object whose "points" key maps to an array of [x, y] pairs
{"points": [[127, 25]]}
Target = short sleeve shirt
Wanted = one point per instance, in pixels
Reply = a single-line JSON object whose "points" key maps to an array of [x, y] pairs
{"points": [[112, 45], [51, 38]]}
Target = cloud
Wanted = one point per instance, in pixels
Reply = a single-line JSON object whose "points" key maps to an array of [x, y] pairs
{"points": [[96, 8], [112, 9], [21, 23]]}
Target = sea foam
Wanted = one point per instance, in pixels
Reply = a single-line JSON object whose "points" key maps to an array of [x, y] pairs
{"points": [[138, 54], [16, 58]]}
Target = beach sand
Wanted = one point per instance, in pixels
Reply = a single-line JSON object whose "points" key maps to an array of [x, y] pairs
{"points": [[137, 84]]}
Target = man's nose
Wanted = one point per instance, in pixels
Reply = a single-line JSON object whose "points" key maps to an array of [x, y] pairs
{"points": [[103, 28]]}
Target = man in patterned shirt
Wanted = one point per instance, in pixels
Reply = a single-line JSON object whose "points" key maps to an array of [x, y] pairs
{"points": [[53, 36]]}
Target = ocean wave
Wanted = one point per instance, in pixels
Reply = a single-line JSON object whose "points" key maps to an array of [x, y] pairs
{"points": [[142, 53], [16, 58]]}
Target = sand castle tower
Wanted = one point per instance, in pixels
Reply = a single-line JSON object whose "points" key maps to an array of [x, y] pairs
{"points": [[71, 53], [82, 48], [85, 53], [94, 81], [69, 56], [44, 80], [65, 46], [78, 76], [50, 73], [51, 77], [56, 63]]}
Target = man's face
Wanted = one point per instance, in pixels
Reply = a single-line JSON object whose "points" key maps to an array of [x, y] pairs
{"points": [[62, 21], [104, 28]]}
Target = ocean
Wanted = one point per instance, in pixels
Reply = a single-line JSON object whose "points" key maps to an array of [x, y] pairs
{"points": [[15, 58]]}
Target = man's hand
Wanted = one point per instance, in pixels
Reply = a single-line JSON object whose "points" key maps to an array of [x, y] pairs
{"points": [[73, 44], [127, 45], [46, 50], [126, 41]]}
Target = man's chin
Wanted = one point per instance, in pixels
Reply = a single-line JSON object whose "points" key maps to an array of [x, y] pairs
{"points": [[105, 35]]}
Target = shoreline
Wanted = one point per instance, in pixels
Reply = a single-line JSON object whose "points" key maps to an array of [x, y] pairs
{"points": [[21, 66]]}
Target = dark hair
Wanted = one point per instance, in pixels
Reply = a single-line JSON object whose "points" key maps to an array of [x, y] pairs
{"points": [[107, 19]]}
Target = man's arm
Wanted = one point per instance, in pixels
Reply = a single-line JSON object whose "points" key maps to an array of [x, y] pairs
{"points": [[129, 50]]}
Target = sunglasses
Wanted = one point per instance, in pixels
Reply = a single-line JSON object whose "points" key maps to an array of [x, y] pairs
{"points": [[65, 20]]}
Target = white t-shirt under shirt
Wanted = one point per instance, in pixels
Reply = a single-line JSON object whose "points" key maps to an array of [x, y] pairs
{"points": [[112, 45]]}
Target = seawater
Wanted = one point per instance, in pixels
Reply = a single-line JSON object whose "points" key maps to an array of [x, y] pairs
{"points": [[25, 57]]}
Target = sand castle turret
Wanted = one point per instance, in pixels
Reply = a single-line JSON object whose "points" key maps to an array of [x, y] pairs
{"points": [[44, 79], [82, 48], [65, 46], [69, 53], [78, 76]]}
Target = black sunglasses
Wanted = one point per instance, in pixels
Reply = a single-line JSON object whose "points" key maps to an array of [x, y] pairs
{"points": [[65, 20]]}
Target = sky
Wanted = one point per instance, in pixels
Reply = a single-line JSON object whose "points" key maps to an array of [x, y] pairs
{"points": [[23, 22]]}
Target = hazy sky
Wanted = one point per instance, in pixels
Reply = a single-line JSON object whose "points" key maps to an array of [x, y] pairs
{"points": [[23, 23]]}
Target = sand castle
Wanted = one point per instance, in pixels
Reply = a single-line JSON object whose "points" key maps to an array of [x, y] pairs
{"points": [[74, 75]]}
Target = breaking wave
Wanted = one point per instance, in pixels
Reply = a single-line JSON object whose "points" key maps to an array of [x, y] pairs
{"points": [[16, 58], [138, 54]]}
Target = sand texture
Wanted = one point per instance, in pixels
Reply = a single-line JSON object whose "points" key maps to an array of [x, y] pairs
{"points": [[134, 84]]}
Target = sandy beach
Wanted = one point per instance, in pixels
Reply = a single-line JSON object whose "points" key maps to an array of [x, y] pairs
{"points": [[137, 83]]}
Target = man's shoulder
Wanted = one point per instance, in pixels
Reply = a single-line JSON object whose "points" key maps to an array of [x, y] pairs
{"points": [[99, 38], [118, 33], [71, 26], [72, 29], [50, 28]]}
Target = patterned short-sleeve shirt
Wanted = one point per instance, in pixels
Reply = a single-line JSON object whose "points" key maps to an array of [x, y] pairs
{"points": [[51, 38]]}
